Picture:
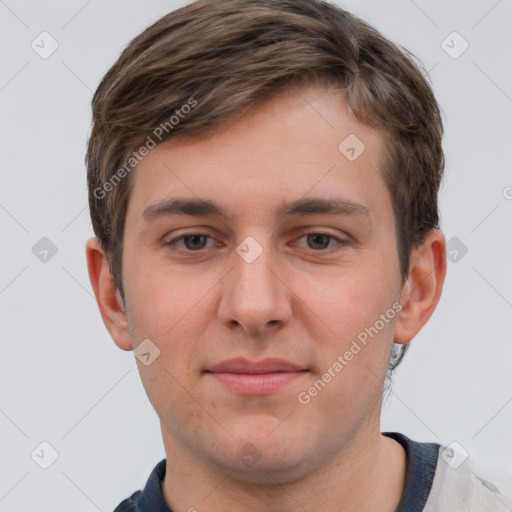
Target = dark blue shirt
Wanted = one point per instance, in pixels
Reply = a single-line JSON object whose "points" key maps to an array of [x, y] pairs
{"points": [[421, 468]]}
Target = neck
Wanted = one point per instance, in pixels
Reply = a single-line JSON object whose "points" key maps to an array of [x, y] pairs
{"points": [[369, 474]]}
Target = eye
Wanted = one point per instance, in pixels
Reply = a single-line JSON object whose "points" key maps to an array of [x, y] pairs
{"points": [[192, 242], [320, 241], [316, 241]]}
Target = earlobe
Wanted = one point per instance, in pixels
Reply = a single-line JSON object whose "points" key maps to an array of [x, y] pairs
{"points": [[422, 289], [108, 298]]}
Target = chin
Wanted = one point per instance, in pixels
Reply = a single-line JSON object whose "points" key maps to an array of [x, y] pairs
{"points": [[266, 453], [279, 468]]}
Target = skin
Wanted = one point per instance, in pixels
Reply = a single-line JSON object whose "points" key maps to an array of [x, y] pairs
{"points": [[304, 299]]}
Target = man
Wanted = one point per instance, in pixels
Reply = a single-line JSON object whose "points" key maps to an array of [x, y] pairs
{"points": [[263, 180]]}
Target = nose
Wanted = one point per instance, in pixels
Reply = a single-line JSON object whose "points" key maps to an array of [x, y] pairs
{"points": [[254, 296]]}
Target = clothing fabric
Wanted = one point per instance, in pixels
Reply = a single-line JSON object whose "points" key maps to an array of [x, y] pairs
{"points": [[436, 481]]}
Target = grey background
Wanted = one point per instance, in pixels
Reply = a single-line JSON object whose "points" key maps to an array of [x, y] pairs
{"points": [[63, 380]]}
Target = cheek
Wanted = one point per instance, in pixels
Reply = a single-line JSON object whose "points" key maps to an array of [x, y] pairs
{"points": [[349, 300], [351, 320], [168, 392], [160, 299], [173, 311]]}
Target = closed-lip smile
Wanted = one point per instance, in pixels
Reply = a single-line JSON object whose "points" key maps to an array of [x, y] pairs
{"points": [[255, 377], [242, 365]]}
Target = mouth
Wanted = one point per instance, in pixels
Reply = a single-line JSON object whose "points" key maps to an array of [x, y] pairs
{"points": [[255, 377]]}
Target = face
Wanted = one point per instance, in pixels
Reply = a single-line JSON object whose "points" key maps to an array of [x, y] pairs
{"points": [[266, 243]]}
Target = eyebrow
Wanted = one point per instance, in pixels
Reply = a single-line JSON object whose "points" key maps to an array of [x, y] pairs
{"points": [[306, 206]]}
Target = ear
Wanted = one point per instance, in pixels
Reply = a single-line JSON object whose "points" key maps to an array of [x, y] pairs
{"points": [[107, 295], [422, 290]]}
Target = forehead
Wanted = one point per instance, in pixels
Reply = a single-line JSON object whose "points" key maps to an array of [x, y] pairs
{"points": [[301, 142]]}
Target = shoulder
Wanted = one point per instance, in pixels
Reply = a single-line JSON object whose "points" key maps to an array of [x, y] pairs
{"points": [[129, 504], [150, 499], [462, 483]]}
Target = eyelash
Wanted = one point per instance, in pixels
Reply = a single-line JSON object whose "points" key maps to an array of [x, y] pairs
{"points": [[340, 241]]}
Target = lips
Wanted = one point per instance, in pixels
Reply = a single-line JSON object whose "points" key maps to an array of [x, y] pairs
{"points": [[246, 377], [241, 365]]}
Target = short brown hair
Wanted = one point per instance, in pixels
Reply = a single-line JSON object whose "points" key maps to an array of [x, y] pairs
{"points": [[222, 57]]}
